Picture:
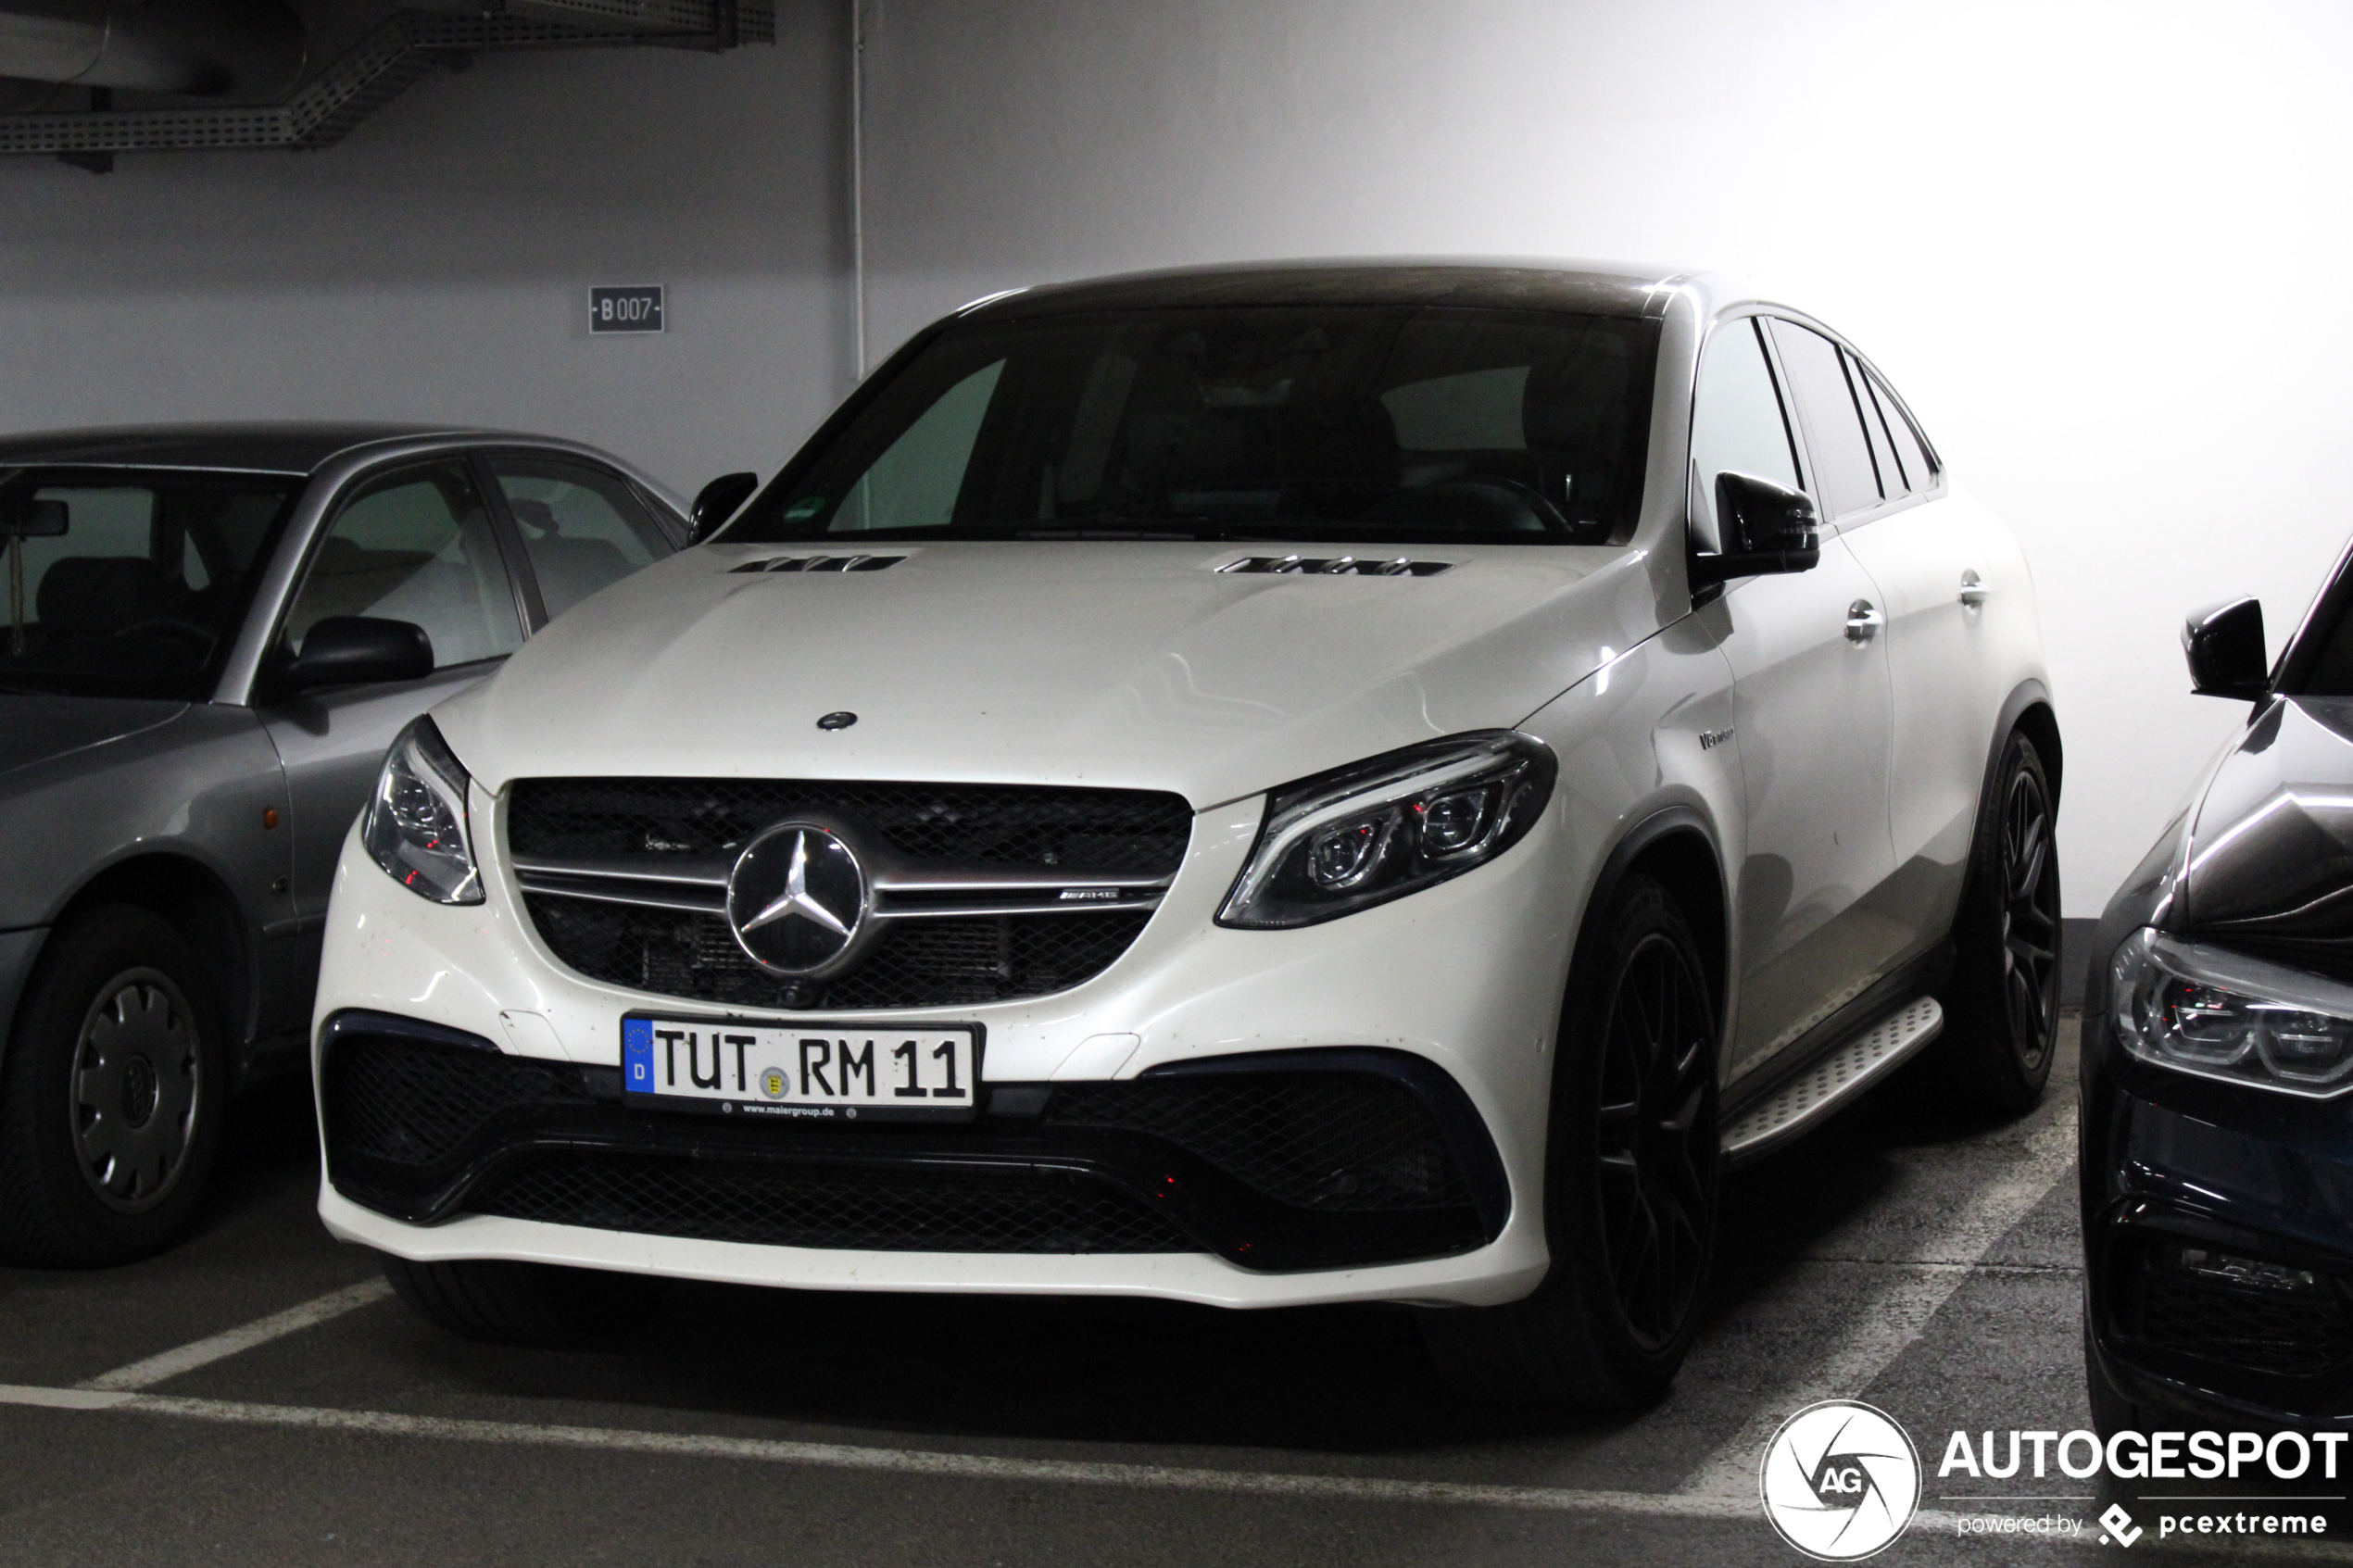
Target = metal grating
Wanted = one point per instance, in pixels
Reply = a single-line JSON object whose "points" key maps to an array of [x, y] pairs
{"points": [[384, 64], [943, 962], [820, 1206], [2284, 1335], [1330, 1141]]}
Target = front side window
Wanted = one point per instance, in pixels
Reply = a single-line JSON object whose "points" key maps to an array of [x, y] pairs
{"points": [[1844, 470], [415, 545], [1379, 425], [1738, 425], [582, 527], [140, 592]]}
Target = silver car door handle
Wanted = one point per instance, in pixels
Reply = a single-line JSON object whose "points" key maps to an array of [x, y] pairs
{"points": [[1863, 622], [1973, 590]]}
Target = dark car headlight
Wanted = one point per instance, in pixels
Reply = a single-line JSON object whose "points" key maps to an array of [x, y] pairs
{"points": [[415, 823], [1394, 824], [2219, 1014]]}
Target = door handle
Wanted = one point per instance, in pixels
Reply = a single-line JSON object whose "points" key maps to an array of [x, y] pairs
{"points": [[1973, 590], [1863, 622]]}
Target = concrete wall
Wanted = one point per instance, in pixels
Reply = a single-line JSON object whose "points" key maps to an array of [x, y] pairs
{"points": [[2096, 245], [435, 266]]}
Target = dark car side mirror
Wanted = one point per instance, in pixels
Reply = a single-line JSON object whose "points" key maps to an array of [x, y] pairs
{"points": [[718, 501], [1767, 528], [350, 650], [2224, 645]]}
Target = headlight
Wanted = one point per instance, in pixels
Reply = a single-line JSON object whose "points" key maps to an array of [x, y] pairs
{"points": [[1380, 829], [2221, 1014], [415, 824]]}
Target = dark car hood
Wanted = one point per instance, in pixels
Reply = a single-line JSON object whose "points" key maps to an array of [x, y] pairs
{"points": [[2271, 854], [36, 728]]}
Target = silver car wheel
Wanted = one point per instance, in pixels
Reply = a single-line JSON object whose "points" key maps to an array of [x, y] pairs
{"points": [[137, 1089]]}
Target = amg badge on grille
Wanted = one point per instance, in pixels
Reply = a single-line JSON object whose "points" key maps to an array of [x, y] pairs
{"points": [[797, 899]]}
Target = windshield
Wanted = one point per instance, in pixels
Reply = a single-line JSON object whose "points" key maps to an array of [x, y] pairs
{"points": [[126, 582], [1376, 424]]}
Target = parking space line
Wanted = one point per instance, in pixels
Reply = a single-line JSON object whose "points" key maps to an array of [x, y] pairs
{"points": [[228, 1342], [920, 1461], [1898, 1312]]}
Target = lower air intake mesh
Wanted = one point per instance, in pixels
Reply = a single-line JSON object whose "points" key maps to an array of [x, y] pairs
{"points": [[818, 1206]]}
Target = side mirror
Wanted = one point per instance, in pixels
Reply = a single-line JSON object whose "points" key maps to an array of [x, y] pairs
{"points": [[718, 501], [2224, 645], [1766, 528], [349, 650], [35, 520]]}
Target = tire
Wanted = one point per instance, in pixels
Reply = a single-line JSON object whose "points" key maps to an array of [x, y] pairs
{"points": [[510, 1303], [1630, 1180], [112, 1087], [2001, 1006]]}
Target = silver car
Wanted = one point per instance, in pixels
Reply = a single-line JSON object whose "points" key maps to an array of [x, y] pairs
{"points": [[212, 634]]}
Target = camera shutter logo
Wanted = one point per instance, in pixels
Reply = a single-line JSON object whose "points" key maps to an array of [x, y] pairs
{"points": [[1840, 1480]]}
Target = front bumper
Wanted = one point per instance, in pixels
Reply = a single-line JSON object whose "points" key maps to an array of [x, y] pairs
{"points": [[1460, 984], [2180, 1171]]}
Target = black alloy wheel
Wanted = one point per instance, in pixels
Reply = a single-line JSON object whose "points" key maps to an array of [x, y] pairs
{"points": [[1631, 1180], [1656, 1184], [112, 1093], [2001, 1006], [2028, 873]]}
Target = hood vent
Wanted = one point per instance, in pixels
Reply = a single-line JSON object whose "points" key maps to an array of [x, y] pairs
{"points": [[821, 563], [1339, 566]]}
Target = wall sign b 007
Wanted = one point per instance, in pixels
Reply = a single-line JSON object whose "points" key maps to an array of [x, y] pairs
{"points": [[625, 311]]}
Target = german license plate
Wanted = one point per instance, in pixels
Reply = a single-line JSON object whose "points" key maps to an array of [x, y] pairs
{"points": [[810, 1072]]}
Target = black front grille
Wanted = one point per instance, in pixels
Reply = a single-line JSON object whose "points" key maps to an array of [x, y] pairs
{"points": [[946, 961], [820, 1206], [1107, 831], [2280, 1333], [1333, 1141], [913, 963]]}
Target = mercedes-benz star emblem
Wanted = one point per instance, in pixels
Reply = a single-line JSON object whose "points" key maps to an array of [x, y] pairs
{"points": [[797, 898]]}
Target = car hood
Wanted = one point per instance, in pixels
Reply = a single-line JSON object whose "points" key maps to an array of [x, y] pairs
{"points": [[1111, 663], [36, 727], [2269, 861]]}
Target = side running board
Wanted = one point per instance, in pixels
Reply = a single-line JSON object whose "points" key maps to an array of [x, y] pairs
{"points": [[1837, 1078]]}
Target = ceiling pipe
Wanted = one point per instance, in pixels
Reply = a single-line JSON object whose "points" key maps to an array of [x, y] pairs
{"points": [[251, 50]]}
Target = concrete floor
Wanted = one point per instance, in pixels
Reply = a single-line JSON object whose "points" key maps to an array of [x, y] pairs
{"points": [[1927, 1266]]}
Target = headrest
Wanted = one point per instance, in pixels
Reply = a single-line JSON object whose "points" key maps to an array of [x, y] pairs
{"points": [[537, 516], [101, 593]]}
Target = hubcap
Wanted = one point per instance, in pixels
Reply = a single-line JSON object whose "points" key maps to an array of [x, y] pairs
{"points": [[2030, 919], [1655, 1145], [137, 1089]]}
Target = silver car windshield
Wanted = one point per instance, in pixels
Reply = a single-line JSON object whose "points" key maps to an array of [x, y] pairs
{"points": [[129, 582], [1376, 424]]}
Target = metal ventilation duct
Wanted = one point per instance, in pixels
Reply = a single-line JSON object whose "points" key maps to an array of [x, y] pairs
{"points": [[203, 48], [326, 103]]}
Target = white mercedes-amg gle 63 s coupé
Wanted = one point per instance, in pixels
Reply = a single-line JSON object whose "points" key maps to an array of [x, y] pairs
{"points": [[1257, 787]]}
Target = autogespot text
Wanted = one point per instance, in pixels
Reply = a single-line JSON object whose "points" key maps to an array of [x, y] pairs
{"points": [[2154, 1456]]}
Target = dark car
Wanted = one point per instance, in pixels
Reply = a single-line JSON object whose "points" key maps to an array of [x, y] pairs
{"points": [[211, 635], [2218, 1062]]}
